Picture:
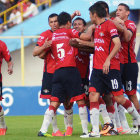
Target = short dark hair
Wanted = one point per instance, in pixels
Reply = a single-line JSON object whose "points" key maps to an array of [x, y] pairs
{"points": [[52, 15], [63, 18], [104, 4], [79, 18], [125, 5], [98, 9]]}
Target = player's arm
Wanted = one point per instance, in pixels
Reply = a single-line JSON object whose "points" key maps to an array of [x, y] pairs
{"points": [[115, 50], [119, 26], [38, 50], [127, 34], [87, 36], [10, 67], [76, 13], [81, 43], [8, 58]]}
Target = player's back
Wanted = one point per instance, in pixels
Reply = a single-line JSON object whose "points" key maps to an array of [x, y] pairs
{"points": [[62, 51]]}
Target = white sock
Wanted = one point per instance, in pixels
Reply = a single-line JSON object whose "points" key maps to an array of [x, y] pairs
{"points": [[104, 113], [84, 118], [54, 124], [123, 120], [112, 117], [49, 114], [2, 120], [118, 123], [94, 117], [133, 112], [68, 118]]}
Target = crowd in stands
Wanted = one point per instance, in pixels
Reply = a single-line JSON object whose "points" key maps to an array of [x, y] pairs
{"points": [[15, 17]]}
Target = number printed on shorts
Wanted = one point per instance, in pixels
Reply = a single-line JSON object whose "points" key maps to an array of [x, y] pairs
{"points": [[129, 85], [114, 84], [60, 51]]}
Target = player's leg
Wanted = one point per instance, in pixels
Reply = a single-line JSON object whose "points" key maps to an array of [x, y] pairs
{"points": [[130, 84], [68, 117], [3, 127], [123, 120], [48, 117]]}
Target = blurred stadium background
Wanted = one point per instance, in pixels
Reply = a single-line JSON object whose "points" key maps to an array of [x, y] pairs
{"points": [[22, 89]]}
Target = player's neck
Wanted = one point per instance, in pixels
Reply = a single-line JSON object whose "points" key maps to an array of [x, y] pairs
{"points": [[64, 26], [100, 21]]}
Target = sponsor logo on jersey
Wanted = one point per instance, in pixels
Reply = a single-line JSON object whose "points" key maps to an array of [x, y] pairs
{"points": [[96, 40], [100, 48]]}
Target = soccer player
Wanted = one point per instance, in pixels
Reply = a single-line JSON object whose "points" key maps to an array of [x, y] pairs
{"points": [[66, 80], [4, 53], [119, 119], [106, 66], [129, 66], [49, 65]]}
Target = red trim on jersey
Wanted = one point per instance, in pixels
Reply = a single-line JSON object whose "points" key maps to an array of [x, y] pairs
{"points": [[45, 96], [92, 89], [132, 92], [117, 93], [77, 98], [94, 105], [110, 109], [55, 99], [101, 101]]}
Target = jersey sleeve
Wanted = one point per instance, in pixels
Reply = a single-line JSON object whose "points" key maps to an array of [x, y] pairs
{"points": [[112, 30], [45, 35], [6, 53], [131, 27], [74, 33]]}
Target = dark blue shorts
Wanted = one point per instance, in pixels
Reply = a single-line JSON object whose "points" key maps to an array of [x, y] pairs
{"points": [[129, 75], [67, 85], [106, 83], [46, 88]]}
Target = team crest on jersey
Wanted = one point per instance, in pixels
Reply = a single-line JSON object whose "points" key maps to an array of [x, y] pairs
{"points": [[101, 34], [46, 91]]}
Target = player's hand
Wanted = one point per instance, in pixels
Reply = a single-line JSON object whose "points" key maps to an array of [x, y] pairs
{"points": [[106, 66], [76, 13], [47, 43], [73, 42], [117, 19], [10, 68]]}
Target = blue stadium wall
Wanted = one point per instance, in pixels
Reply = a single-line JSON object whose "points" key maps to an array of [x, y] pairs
{"points": [[26, 101]]}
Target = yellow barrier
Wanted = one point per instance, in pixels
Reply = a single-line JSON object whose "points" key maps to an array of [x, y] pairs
{"points": [[22, 52], [4, 13]]}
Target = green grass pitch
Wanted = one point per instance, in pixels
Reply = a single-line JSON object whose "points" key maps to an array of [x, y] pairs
{"points": [[27, 127]]}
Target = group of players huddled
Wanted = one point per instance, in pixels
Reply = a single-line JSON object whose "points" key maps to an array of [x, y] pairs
{"points": [[66, 52]]}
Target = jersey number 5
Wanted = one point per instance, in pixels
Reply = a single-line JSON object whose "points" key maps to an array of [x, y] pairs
{"points": [[60, 51]]}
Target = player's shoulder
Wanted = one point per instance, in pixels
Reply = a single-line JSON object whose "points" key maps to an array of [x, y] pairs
{"points": [[130, 22], [2, 43], [47, 32]]}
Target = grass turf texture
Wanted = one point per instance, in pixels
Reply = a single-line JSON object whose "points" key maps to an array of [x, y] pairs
{"points": [[27, 127]]}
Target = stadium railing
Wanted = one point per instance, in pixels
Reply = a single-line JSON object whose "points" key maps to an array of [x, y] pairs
{"points": [[6, 12]]}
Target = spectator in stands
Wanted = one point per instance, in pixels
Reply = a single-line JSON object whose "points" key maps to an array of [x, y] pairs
{"points": [[15, 18], [31, 10]]}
